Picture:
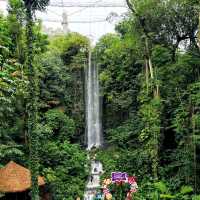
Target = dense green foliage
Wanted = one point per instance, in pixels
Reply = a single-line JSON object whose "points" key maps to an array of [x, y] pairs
{"points": [[150, 78], [150, 89], [59, 122]]}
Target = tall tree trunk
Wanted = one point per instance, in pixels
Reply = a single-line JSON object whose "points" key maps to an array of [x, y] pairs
{"points": [[149, 71], [193, 144], [148, 57], [198, 37], [147, 75], [32, 107], [194, 151]]}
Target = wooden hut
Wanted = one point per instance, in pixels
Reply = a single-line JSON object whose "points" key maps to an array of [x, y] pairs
{"points": [[15, 182]]}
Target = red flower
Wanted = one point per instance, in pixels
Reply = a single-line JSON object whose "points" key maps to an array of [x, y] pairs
{"points": [[131, 179], [118, 183]]}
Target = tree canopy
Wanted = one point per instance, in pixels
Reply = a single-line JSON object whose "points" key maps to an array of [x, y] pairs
{"points": [[149, 72]]}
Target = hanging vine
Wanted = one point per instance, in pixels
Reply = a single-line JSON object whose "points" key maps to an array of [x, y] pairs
{"points": [[32, 107]]}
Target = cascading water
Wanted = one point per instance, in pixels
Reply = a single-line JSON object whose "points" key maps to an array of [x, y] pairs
{"points": [[92, 106], [93, 124]]}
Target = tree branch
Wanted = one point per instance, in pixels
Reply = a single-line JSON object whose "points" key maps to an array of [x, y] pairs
{"points": [[130, 6]]}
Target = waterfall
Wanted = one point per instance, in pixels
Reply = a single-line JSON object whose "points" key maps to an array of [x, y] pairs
{"points": [[93, 123], [93, 126]]}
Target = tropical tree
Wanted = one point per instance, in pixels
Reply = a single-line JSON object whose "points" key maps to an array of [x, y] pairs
{"points": [[16, 17], [30, 8], [149, 97]]}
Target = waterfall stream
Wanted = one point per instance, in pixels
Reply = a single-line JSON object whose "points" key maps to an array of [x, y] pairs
{"points": [[93, 126], [93, 123]]}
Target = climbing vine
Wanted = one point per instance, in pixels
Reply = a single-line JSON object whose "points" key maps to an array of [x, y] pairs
{"points": [[32, 107]]}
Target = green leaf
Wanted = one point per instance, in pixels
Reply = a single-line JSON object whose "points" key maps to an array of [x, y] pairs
{"points": [[196, 197], [186, 189], [167, 196], [161, 187]]}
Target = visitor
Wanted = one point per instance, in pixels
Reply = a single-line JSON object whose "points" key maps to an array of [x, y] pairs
{"points": [[95, 169], [99, 195], [91, 179]]}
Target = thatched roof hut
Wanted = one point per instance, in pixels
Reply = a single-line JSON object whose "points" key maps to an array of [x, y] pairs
{"points": [[15, 178]]}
